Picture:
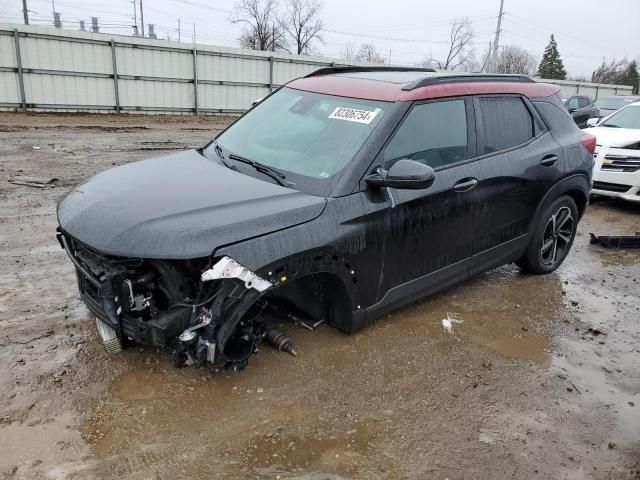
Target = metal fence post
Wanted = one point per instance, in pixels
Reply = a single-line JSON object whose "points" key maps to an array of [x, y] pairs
{"points": [[195, 80], [23, 98], [270, 74], [115, 75]]}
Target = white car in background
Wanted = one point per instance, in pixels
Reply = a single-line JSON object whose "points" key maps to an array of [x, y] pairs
{"points": [[617, 157]]}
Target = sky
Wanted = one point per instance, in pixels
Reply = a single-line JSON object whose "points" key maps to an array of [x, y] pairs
{"points": [[406, 31]]}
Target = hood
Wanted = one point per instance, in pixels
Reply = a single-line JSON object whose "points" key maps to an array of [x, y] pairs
{"points": [[178, 206], [615, 137], [605, 112]]}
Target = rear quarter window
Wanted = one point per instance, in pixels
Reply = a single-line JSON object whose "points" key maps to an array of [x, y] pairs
{"points": [[557, 119], [506, 123]]}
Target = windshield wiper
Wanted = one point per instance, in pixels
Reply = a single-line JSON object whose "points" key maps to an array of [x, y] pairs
{"points": [[218, 150], [611, 125], [277, 175]]}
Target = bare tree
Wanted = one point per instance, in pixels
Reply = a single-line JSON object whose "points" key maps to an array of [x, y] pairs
{"points": [[302, 24], [609, 72], [349, 52], [369, 53], [261, 29], [460, 52], [512, 59]]}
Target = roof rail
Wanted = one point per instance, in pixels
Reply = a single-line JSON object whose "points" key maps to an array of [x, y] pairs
{"points": [[354, 69], [468, 77]]}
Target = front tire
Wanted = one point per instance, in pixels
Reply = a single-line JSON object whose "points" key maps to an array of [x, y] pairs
{"points": [[552, 238]]}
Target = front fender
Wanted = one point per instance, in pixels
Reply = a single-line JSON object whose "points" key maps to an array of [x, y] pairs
{"points": [[333, 243]]}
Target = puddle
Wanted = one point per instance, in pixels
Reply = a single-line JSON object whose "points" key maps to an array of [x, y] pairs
{"points": [[491, 311], [136, 386], [618, 258], [324, 458]]}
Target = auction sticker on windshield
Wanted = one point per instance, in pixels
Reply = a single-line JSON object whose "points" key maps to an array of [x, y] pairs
{"points": [[353, 115]]}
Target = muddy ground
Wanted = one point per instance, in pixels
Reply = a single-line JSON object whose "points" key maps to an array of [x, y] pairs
{"points": [[540, 380]]}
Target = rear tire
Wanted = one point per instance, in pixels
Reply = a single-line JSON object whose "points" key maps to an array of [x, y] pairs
{"points": [[552, 238]]}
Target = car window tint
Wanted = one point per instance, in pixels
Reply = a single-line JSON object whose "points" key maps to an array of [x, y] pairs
{"points": [[573, 103], [506, 123], [559, 121], [433, 133], [583, 102]]}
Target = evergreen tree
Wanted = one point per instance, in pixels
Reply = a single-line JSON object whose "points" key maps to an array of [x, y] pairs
{"points": [[551, 66], [630, 76]]}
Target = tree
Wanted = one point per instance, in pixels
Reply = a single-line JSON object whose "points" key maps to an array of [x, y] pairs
{"points": [[302, 24], [350, 51], [631, 76], [617, 72], [369, 53], [551, 65], [609, 72], [512, 59], [460, 52], [261, 30]]}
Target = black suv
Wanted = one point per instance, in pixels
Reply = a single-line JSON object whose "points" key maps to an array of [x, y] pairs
{"points": [[345, 194], [582, 108]]}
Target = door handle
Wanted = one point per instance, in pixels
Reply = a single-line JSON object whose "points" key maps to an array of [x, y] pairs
{"points": [[549, 160], [465, 184]]}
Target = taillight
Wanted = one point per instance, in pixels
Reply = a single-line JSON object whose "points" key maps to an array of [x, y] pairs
{"points": [[589, 141]]}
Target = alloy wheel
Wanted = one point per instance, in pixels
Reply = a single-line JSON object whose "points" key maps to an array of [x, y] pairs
{"points": [[557, 236]]}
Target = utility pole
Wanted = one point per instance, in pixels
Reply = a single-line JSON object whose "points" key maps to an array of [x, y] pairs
{"points": [[194, 33], [178, 29], [485, 63], [25, 12], [273, 38], [56, 17], [496, 42], [135, 17], [141, 19]]}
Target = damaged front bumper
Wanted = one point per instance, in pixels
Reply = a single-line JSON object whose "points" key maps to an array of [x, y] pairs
{"points": [[195, 308]]}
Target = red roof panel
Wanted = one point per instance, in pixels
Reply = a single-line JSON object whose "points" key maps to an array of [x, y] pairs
{"points": [[344, 86]]}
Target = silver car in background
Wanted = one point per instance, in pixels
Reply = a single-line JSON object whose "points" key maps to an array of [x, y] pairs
{"points": [[609, 105]]}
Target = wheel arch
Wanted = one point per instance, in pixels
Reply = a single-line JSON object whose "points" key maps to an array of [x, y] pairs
{"points": [[576, 186]]}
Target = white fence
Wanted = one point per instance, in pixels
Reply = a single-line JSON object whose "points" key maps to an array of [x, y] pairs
{"points": [[50, 69], [593, 90], [45, 69]]}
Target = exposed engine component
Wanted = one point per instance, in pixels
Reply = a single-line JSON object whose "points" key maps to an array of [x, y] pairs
{"points": [[195, 344], [280, 341], [202, 313]]}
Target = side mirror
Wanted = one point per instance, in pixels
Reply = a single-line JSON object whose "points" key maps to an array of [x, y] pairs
{"points": [[404, 174], [592, 122], [256, 101]]}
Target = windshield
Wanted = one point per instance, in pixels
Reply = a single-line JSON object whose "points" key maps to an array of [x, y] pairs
{"points": [[626, 118], [309, 137], [613, 103]]}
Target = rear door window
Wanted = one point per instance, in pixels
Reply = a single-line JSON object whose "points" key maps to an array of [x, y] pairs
{"points": [[506, 122], [572, 104], [433, 133], [583, 102]]}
